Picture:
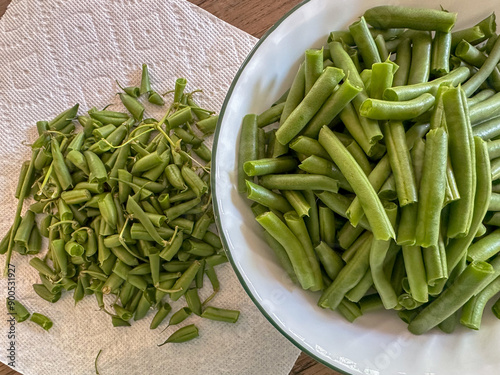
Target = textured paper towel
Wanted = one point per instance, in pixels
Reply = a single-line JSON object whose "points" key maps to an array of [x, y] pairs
{"points": [[56, 53]]}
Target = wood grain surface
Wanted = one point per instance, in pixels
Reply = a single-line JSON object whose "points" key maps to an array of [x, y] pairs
{"points": [[255, 17]]}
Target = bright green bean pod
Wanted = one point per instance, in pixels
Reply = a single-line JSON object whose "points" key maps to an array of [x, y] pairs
{"points": [[267, 197], [331, 261], [382, 77], [485, 110], [268, 166], [485, 248], [316, 165], [484, 72], [441, 49], [311, 104], [299, 182], [332, 107], [378, 253], [340, 204], [348, 277], [312, 221], [432, 189], [414, 265], [421, 58], [296, 224], [364, 41], [327, 225], [160, 315], [271, 115], [296, 94], [400, 110], [408, 92], [403, 61], [462, 162], [297, 201], [313, 67], [391, 16], [466, 285], [399, 158], [247, 148], [457, 247], [298, 256]]}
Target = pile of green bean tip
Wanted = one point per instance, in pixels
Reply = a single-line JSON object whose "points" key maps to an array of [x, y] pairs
{"points": [[378, 182], [126, 206]]}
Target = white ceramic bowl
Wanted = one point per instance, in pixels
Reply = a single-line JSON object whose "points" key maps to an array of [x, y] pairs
{"points": [[379, 342]]}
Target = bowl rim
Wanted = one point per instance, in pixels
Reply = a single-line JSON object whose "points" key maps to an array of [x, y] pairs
{"points": [[214, 192]]}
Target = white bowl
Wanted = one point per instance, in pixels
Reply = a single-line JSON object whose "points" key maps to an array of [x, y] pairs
{"points": [[379, 342]]}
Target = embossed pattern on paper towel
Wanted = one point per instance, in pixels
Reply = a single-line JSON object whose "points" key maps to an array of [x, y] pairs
{"points": [[55, 53]]}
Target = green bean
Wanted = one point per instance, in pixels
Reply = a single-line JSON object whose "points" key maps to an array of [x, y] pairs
{"points": [[331, 261], [360, 184], [473, 310], [480, 96], [476, 58], [348, 277], [421, 58], [457, 247], [399, 158], [484, 72], [462, 162], [312, 221], [271, 115], [296, 94], [247, 148], [332, 107], [267, 197], [299, 182], [340, 204], [364, 41], [381, 47], [267, 166], [298, 256], [485, 248], [313, 67], [281, 255], [297, 226], [348, 234], [297, 201], [327, 225], [361, 288], [193, 301], [315, 165], [414, 265], [378, 253], [466, 285], [308, 147], [349, 253], [401, 110], [494, 202], [311, 104], [391, 16], [441, 49], [432, 189], [376, 179], [403, 61], [488, 129], [485, 110], [383, 74], [408, 92]]}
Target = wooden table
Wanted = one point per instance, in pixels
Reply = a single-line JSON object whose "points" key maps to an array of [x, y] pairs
{"points": [[254, 17]]}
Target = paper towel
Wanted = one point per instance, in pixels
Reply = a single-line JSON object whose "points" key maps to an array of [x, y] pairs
{"points": [[57, 53]]}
